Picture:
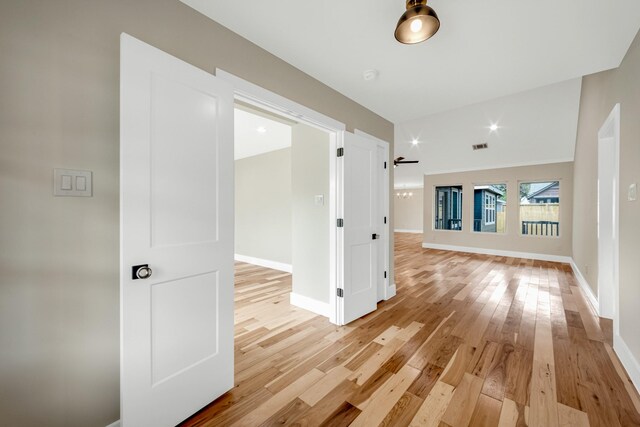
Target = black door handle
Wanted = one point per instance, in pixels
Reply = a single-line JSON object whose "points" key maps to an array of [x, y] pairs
{"points": [[375, 236]]}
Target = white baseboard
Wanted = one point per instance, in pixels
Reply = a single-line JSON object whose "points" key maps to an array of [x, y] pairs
{"points": [[280, 266], [391, 292], [400, 230], [593, 300], [114, 424], [629, 362], [498, 252], [310, 304]]}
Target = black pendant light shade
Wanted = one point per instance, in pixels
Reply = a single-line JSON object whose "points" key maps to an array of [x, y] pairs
{"points": [[417, 24]]}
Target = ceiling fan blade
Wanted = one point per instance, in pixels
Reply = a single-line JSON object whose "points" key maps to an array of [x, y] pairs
{"points": [[398, 159], [408, 161]]}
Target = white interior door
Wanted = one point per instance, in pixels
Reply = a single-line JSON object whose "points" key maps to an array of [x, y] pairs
{"points": [[361, 227], [176, 162]]}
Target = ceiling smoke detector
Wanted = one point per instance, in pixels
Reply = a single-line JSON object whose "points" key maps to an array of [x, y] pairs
{"points": [[480, 146], [370, 75]]}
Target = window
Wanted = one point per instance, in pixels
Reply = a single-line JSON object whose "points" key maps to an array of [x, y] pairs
{"points": [[540, 208], [489, 210], [448, 212]]}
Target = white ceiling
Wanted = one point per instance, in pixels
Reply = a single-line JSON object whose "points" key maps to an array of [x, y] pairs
{"points": [[484, 49], [534, 127], [249, 142]]}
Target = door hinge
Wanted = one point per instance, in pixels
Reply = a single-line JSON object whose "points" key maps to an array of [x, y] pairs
{"points": [[340, 152], [385, 219], [385, 274], [340, 293], [385, 165], [340, 222]]}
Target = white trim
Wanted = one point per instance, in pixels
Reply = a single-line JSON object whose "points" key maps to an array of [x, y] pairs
{"points": [[585, 288], [263, 98], [511, 165], [114, 424], [611, 129], [627, 359], [391, 292], [497, 252], [275, 265], [310, 304], [400, 230]]}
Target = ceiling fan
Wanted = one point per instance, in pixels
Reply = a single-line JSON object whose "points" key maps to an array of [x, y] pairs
{"points": [[402, 161]]}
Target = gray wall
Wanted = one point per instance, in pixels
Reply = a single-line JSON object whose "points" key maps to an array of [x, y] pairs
{"points": [[511, 240], [263, 206], [59, 80], [408, 212], [600, 92], [310, 177]]}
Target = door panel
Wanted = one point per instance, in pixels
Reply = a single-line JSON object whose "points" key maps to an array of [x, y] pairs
{"points": [[176, 206], [360, 224]]}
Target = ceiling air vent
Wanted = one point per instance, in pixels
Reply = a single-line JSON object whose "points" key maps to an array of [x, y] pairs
{"points": [[480, 146]]}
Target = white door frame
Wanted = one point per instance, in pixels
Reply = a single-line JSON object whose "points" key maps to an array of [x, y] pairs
{"points": [[608, 296], [255, 95], [389, 288]]}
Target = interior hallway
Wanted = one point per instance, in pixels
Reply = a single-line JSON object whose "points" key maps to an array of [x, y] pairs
{"points": [[468, 340]]}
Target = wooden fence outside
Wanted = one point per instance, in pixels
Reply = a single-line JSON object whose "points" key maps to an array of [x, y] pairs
{"points": [[540, 219]]}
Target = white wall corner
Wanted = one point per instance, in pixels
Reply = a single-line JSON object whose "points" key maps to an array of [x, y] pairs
{"points": [[586, 289], [114, 424], [391, 292], [274, 265], [627, 359], [498, 252], [408, 231], [310, 304]]}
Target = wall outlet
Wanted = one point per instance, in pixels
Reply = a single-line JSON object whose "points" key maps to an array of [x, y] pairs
{"points": [[632, 194]]}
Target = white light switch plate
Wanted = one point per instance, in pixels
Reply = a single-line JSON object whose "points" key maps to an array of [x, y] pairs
{"points": [[319, 198], [632, 195], [72, 183]]}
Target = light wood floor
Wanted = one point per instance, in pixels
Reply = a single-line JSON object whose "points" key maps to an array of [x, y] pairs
{"points": [[468, 340]]}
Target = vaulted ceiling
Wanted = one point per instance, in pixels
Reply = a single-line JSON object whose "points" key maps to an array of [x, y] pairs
{"points": [[484, 49]]}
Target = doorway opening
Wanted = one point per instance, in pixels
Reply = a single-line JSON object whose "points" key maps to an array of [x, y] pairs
{"points": [[608, 215], [282, 212]]}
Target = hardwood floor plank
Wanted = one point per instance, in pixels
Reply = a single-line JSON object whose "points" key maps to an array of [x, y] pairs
{"points": [[280, 400], [512, 415], [569, 417], [403, 411], [434, 406], [383, 400], [320, 389], [487, 412], [463, 402]]}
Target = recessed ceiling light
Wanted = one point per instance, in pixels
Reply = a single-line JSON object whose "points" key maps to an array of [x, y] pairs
{"points": [[493, 127], [414, 141], [261, 129]]}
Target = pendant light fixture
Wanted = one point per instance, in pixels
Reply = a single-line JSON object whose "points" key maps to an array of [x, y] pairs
{"points": [[417, 24]]}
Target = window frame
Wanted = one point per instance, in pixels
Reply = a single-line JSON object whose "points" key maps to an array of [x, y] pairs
{"points": [[559, 203]]}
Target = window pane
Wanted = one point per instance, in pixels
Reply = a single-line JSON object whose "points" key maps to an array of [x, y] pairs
{"points": [[540, 208], [489, 208], [448, 212]]}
